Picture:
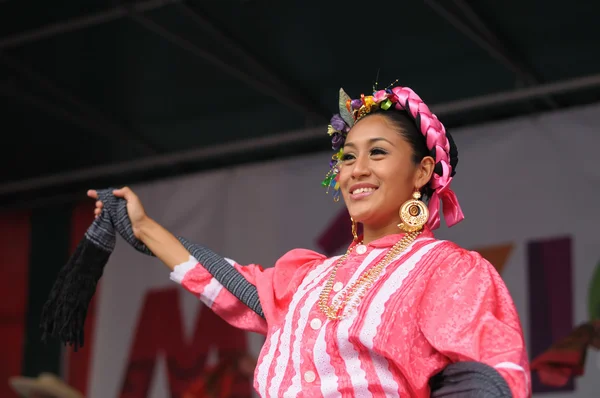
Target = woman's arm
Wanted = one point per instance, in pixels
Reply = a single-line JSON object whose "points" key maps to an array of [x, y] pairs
{"points": [[467, 314], [189, 273], [194, 278], [187, 270], [163, 244]]}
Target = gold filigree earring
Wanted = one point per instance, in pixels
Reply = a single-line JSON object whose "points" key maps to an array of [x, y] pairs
{"points": [[414, 214], [354, 229]]}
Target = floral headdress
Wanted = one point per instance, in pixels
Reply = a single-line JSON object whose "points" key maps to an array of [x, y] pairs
{"points": [[439, 143]]}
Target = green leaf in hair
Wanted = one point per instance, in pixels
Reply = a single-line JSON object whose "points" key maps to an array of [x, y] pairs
{"points": [[344, 113]]}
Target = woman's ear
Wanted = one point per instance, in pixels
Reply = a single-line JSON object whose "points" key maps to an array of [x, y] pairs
{"points": [[424, 171]]}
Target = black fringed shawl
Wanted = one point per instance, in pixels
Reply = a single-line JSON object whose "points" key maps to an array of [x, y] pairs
{"points": [[65, 310]]}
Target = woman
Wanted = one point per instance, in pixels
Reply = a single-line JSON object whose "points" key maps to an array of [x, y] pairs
{"points": [[399, 305]]}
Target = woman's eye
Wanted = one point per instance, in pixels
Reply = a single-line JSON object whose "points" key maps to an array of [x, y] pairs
{"points": [[347, 156], [378, 151]]}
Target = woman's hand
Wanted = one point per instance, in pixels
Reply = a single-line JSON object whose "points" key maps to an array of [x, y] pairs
{"points": [[135, 209]]}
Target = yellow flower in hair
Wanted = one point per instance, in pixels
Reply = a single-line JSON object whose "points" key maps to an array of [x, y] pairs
{"points": [[339, 154], [369, 102]]}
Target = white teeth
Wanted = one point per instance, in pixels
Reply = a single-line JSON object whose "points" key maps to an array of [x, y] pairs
{"points": [[362, 190]]}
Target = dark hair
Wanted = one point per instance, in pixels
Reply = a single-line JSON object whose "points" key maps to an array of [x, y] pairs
{"points": [[407, 127]]}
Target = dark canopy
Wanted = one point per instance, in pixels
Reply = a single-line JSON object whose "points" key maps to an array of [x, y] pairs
{"points": [[101, 92]]}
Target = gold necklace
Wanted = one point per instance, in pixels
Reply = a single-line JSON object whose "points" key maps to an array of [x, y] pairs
{"points": [[358, 289]]}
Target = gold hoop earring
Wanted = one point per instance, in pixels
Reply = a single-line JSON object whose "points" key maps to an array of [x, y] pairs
{"points": [[354, 229], [414, 214]]}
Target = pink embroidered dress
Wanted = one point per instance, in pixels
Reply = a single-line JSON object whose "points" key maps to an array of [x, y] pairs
{"points": [[434, 304]]}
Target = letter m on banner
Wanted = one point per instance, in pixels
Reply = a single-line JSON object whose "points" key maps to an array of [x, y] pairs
{"points": [[160, 331]]}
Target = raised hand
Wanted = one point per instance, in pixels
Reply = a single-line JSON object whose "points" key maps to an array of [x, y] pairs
{"points": [[135, 209]]}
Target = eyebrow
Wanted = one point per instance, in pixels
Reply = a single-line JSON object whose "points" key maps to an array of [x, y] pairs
{"points": [[371, 141]]}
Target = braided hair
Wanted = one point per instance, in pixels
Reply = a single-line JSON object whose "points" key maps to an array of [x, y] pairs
{"points": [[406, 126]]}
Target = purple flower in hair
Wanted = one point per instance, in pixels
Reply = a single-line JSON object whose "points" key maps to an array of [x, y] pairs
{"points": [[337, 141], [356, 104], [338, 123]]}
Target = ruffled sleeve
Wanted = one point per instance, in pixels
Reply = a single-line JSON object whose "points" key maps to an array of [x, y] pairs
{"points": [[275, 285], [467, 314]]}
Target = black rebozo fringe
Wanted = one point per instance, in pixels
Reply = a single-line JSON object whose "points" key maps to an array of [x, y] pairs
{"points": [[469, 380], [65, 311]]}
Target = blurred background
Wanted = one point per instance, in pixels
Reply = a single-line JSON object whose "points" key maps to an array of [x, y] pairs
{"points": [[216, 113]]}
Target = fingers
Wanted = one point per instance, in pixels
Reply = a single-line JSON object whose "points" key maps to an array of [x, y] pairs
{"points": [[98, 209], [92, 193], [124, 192]]}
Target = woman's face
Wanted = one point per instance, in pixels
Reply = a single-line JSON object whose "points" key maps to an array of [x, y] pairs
{"points": [[377, 174]]}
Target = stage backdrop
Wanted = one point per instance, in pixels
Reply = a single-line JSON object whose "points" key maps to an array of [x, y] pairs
{"points": [[529, 190]]}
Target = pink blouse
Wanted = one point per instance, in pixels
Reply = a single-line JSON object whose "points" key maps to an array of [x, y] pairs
{"points": [[434, 304]]}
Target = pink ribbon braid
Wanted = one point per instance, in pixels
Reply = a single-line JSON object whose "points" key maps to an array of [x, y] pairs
{"points": [[435, 135]]}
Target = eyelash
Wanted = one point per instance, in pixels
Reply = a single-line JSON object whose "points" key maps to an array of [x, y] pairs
{"points": [[374, 151]]}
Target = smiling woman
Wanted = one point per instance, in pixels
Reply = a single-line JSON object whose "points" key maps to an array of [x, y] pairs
{"points": [[379, 171], [390, 316]]}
